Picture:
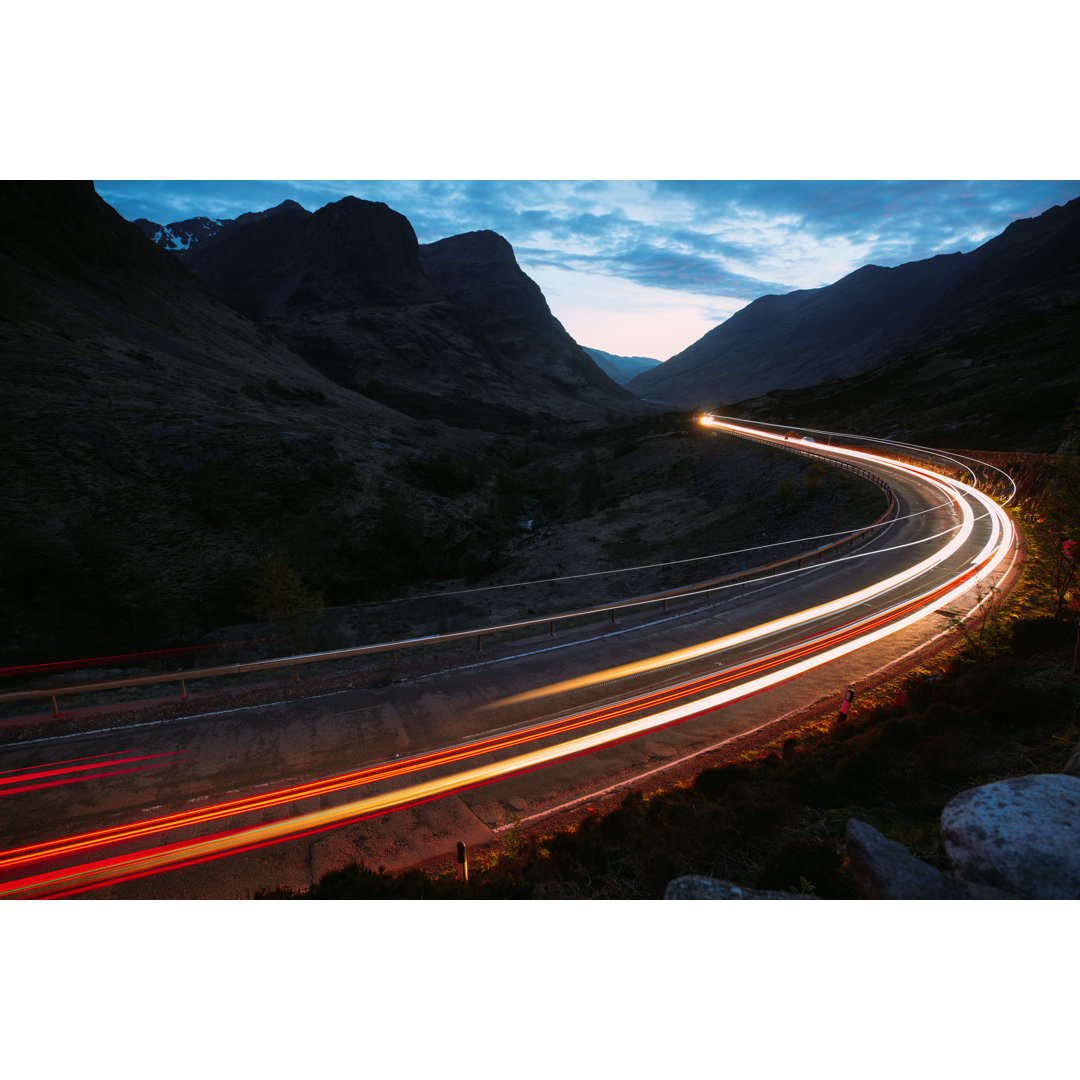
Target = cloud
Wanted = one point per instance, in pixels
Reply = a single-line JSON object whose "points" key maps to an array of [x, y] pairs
{"points": [[666, 268], [895, 221]]}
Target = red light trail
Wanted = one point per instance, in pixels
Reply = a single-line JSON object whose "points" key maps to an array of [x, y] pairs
{"points": [[69, 773], [630, 718]]}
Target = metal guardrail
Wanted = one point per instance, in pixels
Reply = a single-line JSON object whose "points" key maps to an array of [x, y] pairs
{"points": [[393, 647]]}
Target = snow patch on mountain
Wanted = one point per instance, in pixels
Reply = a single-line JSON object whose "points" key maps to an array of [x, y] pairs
{"points": [[182, 235]]}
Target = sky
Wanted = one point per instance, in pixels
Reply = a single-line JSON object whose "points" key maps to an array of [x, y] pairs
{"points": [[645, 268]]}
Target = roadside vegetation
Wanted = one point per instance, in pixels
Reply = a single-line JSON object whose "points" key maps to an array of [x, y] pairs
{"points": [[460, 538], [1003, 701]]}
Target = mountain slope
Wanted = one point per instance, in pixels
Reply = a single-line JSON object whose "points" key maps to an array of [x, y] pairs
{"points": [[621, 368], [155, 441], [158, 443], [873, 315], [479, 273], [454, 331]]}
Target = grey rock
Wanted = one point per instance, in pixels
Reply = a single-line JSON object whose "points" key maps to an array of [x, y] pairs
{"points": [[886, 870], [1021, 836], [694, 887]]}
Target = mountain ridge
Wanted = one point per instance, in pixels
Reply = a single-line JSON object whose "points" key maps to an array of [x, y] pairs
{"points": [[870, 316], [452, 330], [621, 368], [158, 442]]}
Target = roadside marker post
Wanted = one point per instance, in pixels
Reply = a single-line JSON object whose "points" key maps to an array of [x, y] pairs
{"points": [[846, 703], [463, 863]]}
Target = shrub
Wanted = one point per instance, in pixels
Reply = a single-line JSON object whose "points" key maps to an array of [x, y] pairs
{"points": [[278, 594], [715, 782], [785, 494], [808, 865], [814, 478]]}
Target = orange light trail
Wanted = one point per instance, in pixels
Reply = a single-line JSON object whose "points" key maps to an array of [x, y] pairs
{"points": [[720, 688], [89, 876], [960, 536]]}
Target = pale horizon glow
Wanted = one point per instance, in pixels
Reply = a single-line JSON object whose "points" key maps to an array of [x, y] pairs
{"points": [[627, 319]]}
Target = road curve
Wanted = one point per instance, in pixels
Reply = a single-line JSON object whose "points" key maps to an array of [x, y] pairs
{"points": [[949, 542]]}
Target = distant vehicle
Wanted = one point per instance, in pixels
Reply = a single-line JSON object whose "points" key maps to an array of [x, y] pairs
{"points": [[806, 438]]}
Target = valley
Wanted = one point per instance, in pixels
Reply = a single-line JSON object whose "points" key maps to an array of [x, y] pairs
{"points": [[298, 432]]}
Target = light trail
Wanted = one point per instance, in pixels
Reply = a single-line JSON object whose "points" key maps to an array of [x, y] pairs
{"points": [[74, 774], [959, 537], [957, 459], [786, 664], [660, 708], [173, 856]]}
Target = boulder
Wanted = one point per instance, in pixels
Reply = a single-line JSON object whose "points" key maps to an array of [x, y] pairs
{"points": [[886, 870], [694, 887], [1021, 836]]}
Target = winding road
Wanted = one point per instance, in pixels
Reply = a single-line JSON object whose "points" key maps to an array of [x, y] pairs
{"points": [[464, 753]]}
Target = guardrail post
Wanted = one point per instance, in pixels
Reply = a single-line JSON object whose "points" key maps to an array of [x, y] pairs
{"points": [[55, 707], [479, 642], [183, 690]]}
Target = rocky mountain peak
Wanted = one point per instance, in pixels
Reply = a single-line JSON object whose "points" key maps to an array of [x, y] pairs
{"points": [[364, 238], [349, 252], [453, 330], [181, 235], [479, 272]]}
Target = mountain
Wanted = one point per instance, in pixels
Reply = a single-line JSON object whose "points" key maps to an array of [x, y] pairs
{"points": [[180, 235], [876, 315], [479, 273], [621, 368], [156, 443], [453, 330], [283, 259]]}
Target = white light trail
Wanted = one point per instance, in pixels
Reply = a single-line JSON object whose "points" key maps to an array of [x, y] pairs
{"points": [[848, 639], [959, 537]]}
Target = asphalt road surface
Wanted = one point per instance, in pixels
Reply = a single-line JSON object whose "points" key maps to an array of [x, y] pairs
{"points": [[550, 722]]}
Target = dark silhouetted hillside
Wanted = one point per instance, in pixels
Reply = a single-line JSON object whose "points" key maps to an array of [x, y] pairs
{"points": [[1004, 313], [452, 331]]}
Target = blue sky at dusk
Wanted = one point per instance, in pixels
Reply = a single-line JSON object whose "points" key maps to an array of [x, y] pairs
{"points": [[647, 267]]}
